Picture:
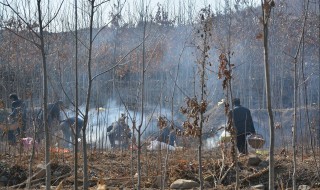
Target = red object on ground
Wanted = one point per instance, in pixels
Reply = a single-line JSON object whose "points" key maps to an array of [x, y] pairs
{"points": [[59, 150]]}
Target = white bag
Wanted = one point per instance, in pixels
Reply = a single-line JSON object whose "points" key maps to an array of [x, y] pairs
{"points": [[225, 137], [157, 145]]}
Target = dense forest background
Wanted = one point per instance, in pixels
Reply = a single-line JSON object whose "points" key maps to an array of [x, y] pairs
{"points": [[171, 56]]}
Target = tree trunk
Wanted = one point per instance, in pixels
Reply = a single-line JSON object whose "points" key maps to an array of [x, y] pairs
{"points": [[266, 9], [45, 98], [76, 100], [294, 128], [294, 138], [319, 74], [84, 143], [142, 101], [202, 81]]}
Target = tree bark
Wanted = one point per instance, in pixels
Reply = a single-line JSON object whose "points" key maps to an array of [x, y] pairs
{"points": [[142, 101], [45, 98], [76, 100], [266, 9], [84, 143]]}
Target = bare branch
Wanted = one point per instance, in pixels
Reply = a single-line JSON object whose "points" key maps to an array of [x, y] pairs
{"points": [[153, 52], [108, 23], [54, 16], [20, 36], [101, 3], [23, 20], [65, 93], [84, 11], [117, 64], [81, 42]]}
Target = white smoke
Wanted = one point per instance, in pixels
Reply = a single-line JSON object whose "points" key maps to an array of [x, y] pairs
{"points": [[211, 143], [101, 117]]}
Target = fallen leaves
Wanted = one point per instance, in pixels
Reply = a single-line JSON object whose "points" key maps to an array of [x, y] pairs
{"points": [[101, 184], [60, 186]]}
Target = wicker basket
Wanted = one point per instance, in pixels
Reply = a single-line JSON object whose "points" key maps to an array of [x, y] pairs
{"points": [[256, 141]]}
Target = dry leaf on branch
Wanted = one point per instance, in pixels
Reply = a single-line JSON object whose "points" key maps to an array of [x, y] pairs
{"points": [[259, 36]]}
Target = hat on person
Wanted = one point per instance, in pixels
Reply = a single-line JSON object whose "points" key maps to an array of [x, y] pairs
{"points": [[236, 101], [13, 96]]}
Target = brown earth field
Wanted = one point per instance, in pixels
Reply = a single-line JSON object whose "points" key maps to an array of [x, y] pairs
{"points": [[117, 169]]}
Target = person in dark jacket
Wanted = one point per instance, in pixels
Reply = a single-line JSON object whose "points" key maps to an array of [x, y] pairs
{"points": [[53, 115], [17, 107], [67, 126], [167, 135], [119, 131], [54, 110], [242, 121]]}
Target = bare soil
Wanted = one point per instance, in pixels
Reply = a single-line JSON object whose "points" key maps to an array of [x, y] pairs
{"points": [[118, 169]]}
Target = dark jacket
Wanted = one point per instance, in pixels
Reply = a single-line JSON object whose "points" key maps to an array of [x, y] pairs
{"points": [[167, 136], [119, 129], [17, 104], [53, 112], [66, 125], [242, 120]]}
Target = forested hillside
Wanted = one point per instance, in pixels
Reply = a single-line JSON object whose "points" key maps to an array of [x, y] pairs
{"points": [[94, 84], [171, 55]]}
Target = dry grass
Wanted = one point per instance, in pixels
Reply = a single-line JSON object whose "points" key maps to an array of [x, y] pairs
{"points": [[118, 169]]}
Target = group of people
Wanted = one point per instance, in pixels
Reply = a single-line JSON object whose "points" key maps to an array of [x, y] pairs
{"points": [[118, 131], [18, 116], [239, 117]]}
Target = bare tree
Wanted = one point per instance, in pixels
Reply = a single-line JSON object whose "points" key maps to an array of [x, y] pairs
{"points": [[196, 108], [41, 45], [84, 128], [295, 102], [139, 128], [76, 99], [204, 62], [267, 6], [93, 7]]}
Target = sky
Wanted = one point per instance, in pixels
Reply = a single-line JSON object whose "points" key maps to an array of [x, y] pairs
{"points": [[131, 9], [173, 5]]}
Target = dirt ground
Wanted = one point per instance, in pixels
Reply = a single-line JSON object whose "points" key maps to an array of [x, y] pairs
{"points": [[118, 169]]}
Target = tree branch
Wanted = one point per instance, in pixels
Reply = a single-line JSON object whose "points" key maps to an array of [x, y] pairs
{"points": [[20, 36], [101, 3], [117, 64], [24, 21], [54, 16], [107, 23]]}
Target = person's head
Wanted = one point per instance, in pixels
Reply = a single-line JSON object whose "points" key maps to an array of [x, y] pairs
{"points": [[58, 104], [122, 118], [236, 101], [13, 97]]}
